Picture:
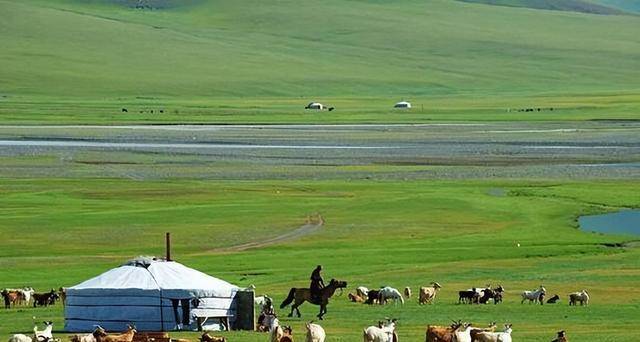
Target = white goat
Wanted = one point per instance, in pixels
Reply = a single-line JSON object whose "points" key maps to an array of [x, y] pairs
{"points": [[382, 333], [505, 336], [315, 333], [44, 335]]}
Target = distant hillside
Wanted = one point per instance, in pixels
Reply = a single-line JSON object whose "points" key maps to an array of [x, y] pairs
{"points": [[632, 6], [584, 6], [100, 49]]}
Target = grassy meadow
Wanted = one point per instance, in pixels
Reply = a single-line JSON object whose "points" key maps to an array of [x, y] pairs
{"points": [[460, 234], [81, 61]]}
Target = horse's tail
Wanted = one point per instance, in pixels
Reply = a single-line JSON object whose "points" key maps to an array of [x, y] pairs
{"points": [[290, 297]]}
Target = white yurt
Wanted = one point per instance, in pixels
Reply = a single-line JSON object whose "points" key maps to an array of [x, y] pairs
{"points": [[153, 294], [402, 105]]}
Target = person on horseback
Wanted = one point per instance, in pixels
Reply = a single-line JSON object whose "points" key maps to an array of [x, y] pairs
{"points": [[317, 283]]}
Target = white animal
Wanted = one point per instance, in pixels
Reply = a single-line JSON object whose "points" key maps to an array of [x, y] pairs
{"points": [[20, 338], [385, 333], [362, 291], [387, 293], [315, 333], [505, 336], [428, 294], [533, 296], [265, 303], [582, 297], [463, 334], [44, 335]]}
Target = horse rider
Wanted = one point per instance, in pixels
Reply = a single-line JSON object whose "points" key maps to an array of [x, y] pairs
{"points": [[317, 283]]}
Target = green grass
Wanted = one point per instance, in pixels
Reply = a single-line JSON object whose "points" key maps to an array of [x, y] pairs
{"points": [[67, 61], [376, 233]]}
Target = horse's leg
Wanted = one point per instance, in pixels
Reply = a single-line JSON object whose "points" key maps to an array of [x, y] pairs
{"points": [[293, 306], [298, 312]]}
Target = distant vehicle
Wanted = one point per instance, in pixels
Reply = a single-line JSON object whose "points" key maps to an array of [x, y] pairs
{"points": [[315, 105], [402, 105]]}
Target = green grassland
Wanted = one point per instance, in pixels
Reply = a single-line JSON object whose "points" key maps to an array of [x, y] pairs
{"points": [[376, 233], [260, 62]]}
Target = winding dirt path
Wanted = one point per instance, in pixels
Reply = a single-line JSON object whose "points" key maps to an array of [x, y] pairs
{"points": [[312, 224]]}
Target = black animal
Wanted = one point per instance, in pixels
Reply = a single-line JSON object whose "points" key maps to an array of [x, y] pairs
{"points": [[553, 299], [124, 110], [468, 296], [331, 109], [372, 296], [45, 299]]}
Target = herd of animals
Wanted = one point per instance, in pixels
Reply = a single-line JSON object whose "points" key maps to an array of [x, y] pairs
{"points": [[384, 331]]}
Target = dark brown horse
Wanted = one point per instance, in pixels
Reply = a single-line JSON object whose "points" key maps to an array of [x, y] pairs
{"points": [[302, 295]]}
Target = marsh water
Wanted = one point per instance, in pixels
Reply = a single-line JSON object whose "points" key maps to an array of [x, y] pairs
{"points": [[621, 222]]}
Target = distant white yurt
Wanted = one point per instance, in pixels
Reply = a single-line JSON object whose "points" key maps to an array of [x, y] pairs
{"points": [[315, 105], [402, 105], [153, 294]]}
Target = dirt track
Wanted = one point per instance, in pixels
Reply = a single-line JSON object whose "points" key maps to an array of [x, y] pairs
{"points": [[313, 224]]}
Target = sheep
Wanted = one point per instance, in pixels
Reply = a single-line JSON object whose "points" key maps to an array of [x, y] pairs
{"points": [[582, 297], [315, 333], [362, 291], [20, 338], [428, 294]]}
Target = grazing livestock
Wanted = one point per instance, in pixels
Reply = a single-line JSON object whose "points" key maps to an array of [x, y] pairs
{"points": [[12, 297], [126, 336], [387, 293], [504, 336], [428, 294], [373, 297], [362, 291], [275, 330], [488, 294], [407, 292], [287, 334], [463, 334], [27, 294], [315, 333], [562, 337], [20, 338], [582, 297], [476, 331], [46, 334], [384, 332], [534, 296], [208, 338], [553, 299], [468, 296], [124, 110], [355, 298], [62, 293], [99, 332], [437, 333], [44, 299]]}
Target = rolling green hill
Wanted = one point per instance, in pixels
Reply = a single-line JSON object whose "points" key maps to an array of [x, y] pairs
{"points": [[254, 57], [585, 6]]}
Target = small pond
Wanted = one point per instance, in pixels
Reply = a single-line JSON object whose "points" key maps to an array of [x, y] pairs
{"points": [[623, 222]]}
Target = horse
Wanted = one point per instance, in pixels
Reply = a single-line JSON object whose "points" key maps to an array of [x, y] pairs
{"points": [[534, 296], [302, 295]]}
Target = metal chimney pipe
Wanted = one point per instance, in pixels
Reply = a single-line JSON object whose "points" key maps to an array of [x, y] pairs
{"points": [[168, 257]]}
